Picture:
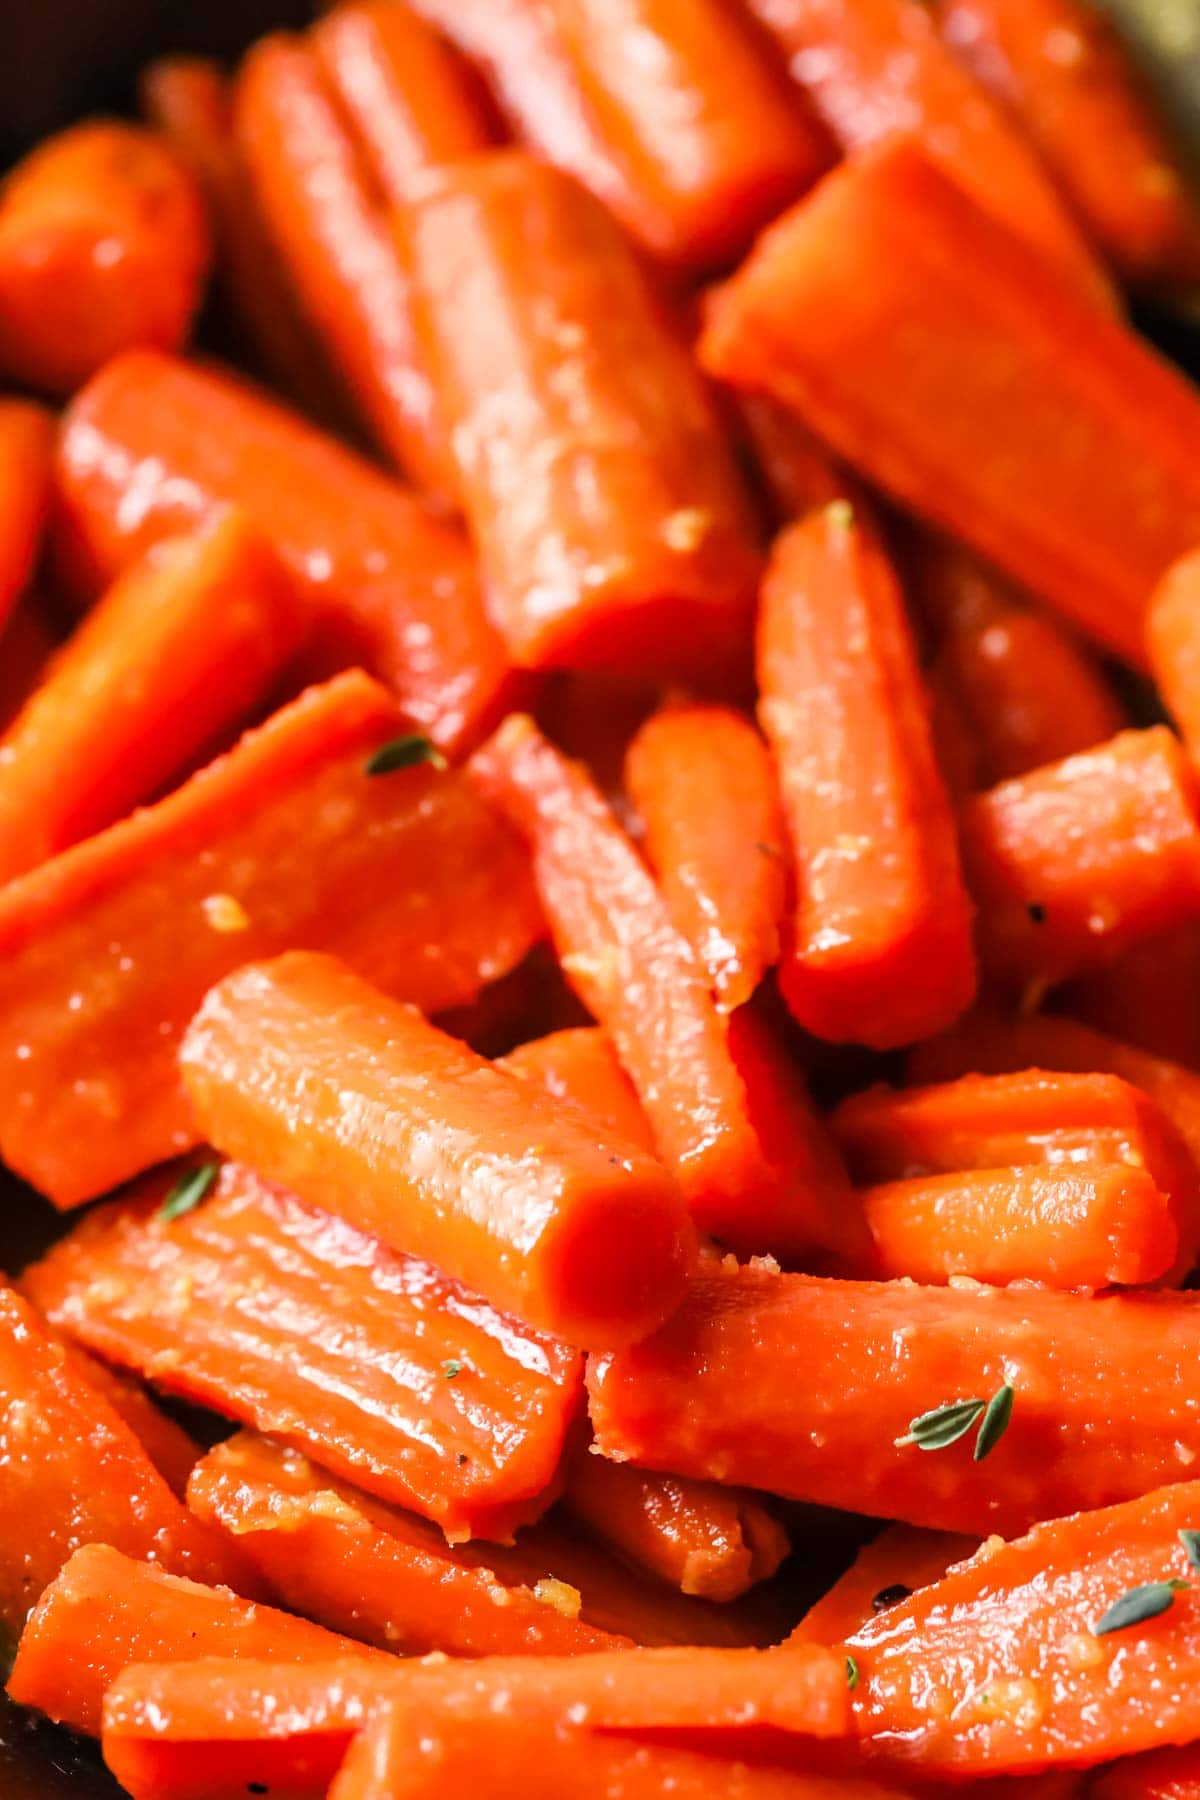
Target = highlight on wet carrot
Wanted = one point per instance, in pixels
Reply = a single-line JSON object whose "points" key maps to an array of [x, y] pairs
{"points": [[1137, 996], [288, 838], [888, 1570], [869, 306], [27, 643], [611, 522], [185, 644], [104, 245], [1063, 68], [303, 1071], [880, 951], [27, 433], [837, 1392], [579, 1065], [382, 1369], [751, 1157]]}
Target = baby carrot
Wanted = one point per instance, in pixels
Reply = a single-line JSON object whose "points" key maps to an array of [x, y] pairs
{"points": [[889, 291], [609, 515], [580, 1065], [27, 434], [393, 590], [730, 1120], [185, 644], [104, 245], [902, 1559], [288, 839], [301, 1070], [26, 645], [1137, 996], [881, 947]]}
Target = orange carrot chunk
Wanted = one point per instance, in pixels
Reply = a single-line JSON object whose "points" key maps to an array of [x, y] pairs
{"points": [[182, 646], [1173, 645], [27, 434], [170, 1448], [104, 245], [902, 1559], [881, 946], [701, 780], [610, 518], [303, 1071], [730, 1121], [26, 645], [108, 949], [581, 1066], [808, 1388], [381, 1368], [393, 589], [936, 353]]}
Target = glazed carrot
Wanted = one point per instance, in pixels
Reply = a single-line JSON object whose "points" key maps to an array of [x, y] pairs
{"points": [[335, 245], [411, 100], [1062, 67], [902, 1559], [72, 1471], [881, 951], [865, 308], [286, 840], [103, 246], [185, 644], [1034, 1685], [803, 1386], [751, 1157], [703, 1539], [1173, 645], [580, 1065], [393, 590], [799, 472], [303, 1071], [610, 519], [172, 1451], [1137, 996], [26, 645], [26, 474], [1154, 1775], [1071, 864], [376, 1365], [106, 1610], [876, 72]]}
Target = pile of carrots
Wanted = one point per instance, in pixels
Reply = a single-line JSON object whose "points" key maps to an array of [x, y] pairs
{"points": [[583, 886]]}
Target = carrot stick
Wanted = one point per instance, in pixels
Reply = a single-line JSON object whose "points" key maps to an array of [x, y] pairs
{"points": [[750, 1156], [803, 1386], [106, 1610], [706, 1540], [302, 1071], [702, 783], [1063, 68], [184, 645], [889, 291], [610, 519], [1074, 862], [409, 97], [1137, 996], [27, 434], [1173, 645], [881, 951], [1154, 1775], [335, 245], [1035, 1685], [393, 590], [382, 1369], [103, 245], [286, 840], [172, 1451], [26, 645], [901, 1560], [580, 1065], [799, 472]]}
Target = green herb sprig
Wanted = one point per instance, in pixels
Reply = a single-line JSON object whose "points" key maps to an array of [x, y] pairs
{"points": [[404, 753], [188, 1191], [945, 1425], [1138, 1605]]}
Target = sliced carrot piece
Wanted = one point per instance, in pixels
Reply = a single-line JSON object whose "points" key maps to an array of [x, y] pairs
{"points": [[934, 351], [1137, 996], [382, 1369], [1173, 645], [286, 839], [27, 433], [26, 645], [170, 1448], [1154, 1775], [581, 1066], [902, 1559]]}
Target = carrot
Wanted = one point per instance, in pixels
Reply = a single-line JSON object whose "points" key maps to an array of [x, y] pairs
{"points": [[875, 72], [381, 1368], [392, 589], [706, 1540], [610, 519], [1137, 996], [184, 645], [26, 472], [106, 1610], [1034, 1684], [881, 949], [902, 1559], [579, 1065], [803, 1386], [1173, 645], [1154, 1775], [935, 352], [335, 245], [751, 1158], [1063, 68], [705, 792], [1073, 863], [304, 1072], [103, 245], [409, 97], [798, 471], [170, 1448], [26, 645], [286, 840]]}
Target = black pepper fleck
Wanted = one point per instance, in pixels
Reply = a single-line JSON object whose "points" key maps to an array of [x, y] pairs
{"points": [[1037, 912], [890, 1596]]}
